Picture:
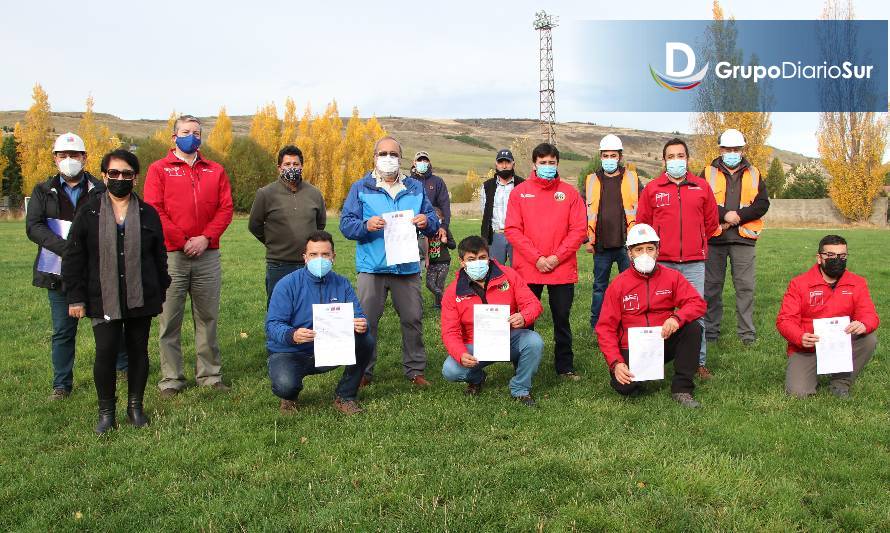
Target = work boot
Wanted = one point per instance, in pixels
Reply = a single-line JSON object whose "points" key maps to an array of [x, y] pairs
{"points": [[107, 421], [366, 380], [287, 407], [59, 394], [473, 389], [347, 407], [420, 382], [570, 376], [703, 373], [526, 400], [685, 399], [135, 414]]}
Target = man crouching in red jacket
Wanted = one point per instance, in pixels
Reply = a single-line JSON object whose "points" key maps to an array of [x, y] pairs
{"points": [[827, 290], [482, 280], [650, 295]]}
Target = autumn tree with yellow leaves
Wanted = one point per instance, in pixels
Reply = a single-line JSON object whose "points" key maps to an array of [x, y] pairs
{"points": [[265, 128], [34, 141], [290, 123], [220, 137], [97, 139], [708, 124]]}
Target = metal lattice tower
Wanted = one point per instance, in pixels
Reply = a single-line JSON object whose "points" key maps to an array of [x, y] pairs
{"points": [[544, 23]]}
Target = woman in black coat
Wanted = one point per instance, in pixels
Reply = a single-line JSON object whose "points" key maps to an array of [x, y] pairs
{"points": [[115, 272]]}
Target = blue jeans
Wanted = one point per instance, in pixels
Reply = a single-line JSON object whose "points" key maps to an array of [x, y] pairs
{"points": [[501, 250], [694, 272], [63, 341], [602, 269], [274, 272], [526, 348], [287, 370]]}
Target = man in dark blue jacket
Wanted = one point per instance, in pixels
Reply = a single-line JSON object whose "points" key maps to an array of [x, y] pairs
{"points": [[289, 325]]}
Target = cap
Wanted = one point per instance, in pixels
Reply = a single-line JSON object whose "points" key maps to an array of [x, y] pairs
{"points": [[69, 142], [420, 154], [504, 154]]}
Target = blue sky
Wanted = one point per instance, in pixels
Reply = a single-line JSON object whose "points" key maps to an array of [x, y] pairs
{"points": [[459, 59]]}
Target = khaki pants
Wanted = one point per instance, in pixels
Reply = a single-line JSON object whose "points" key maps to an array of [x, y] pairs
{"points": [[201, 278], [801, 379]]}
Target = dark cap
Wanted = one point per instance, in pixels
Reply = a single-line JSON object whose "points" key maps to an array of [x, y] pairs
{"points": [[505, 154]]}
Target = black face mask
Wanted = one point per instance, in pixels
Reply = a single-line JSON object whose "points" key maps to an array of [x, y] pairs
{"points": [[507, 173], [120, 188], [834, 267]]}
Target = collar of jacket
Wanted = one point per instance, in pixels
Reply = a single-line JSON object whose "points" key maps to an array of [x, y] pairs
{"points": [[814, 278], [54, 184], [718, 164], [541, 182], [665, 180], [463, 280], [424, 176], [173, 160], [643, 277], [601, 174]]}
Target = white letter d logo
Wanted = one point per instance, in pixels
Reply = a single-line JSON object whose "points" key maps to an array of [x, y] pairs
{"points": [[669, 49]]}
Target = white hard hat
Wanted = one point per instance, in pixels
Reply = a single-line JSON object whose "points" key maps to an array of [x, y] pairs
{"points": [[611, 142], [69, 142], [639, 234], [732, 138]]}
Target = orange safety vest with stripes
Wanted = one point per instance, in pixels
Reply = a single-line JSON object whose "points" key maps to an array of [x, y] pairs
{"points": [[630, 197], [750, 186]]}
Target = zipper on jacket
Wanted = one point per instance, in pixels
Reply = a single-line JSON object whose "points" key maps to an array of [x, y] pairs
{"points": [[647, 303], [680, 202], [194, 191]]}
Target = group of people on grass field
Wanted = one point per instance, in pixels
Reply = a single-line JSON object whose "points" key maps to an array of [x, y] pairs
{"points": [[120, 259]]}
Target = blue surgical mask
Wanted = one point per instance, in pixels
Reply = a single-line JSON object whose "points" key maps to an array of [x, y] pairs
{"points": [[732, 159], [421, 166], [676, 168], [610, 165], [319, 266], [477, 269], [188, 144], [548, 172]]}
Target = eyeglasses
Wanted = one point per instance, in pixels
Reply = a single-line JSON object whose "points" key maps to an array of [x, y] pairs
{"points": [[390, 154], [832, 255], [116, 174]]}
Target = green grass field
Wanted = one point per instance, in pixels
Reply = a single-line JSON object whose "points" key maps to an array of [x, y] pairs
{"points": [[585, 459]]}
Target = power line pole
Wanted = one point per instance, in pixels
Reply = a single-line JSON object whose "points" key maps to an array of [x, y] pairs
{"points": [[544, 23]]}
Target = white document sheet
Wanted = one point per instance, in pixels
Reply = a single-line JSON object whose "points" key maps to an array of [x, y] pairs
{"points": [[48, 261], [646, 361], [834, 351], [400, 238], [334, 334], [491, 332]]}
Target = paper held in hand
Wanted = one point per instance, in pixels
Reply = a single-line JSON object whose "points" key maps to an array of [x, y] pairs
{"points": [[400, 238], [646, 358], [48, 261], [834, 351], [334, 334], [491, 332]]}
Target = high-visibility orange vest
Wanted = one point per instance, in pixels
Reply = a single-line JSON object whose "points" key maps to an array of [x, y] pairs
{"points": [[630, 197], [750, 185]]}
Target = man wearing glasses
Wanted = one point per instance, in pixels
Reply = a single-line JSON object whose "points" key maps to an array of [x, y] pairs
{"points": [[827, 290], [193, 197], [385, 190]]}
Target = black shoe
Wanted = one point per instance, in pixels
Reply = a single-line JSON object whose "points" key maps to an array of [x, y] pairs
{"points": [[135, 414], [107, 421], [526, 400]]}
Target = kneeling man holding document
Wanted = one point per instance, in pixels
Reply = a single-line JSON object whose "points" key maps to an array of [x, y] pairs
{"points": [[315, 324], [485, 311], [649, 317]]}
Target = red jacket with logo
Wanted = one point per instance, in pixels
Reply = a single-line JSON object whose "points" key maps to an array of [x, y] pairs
{"points": [[633, 300], [809, 296], [191, 200], [505, 287], [544, 218], [684, 216]]}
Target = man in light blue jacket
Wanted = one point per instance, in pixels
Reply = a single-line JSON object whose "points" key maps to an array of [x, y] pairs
{"points": [[289, 327], [384, 190]]}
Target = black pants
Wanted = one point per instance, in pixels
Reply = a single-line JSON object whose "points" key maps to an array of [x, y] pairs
{"points": [[561, 298], [134, 332], [682, 348]]}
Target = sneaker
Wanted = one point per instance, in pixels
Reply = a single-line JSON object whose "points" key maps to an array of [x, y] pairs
{"points": [[59, 394], [840, 391], [473, 389], [685, 399], [703, 373], [221, 387], [366, 380], [570, 376], [420, 382], [347, 407], [287, 407], [526, 400], [168, 394]]}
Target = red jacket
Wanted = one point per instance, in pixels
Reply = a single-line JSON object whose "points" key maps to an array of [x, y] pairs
{"points": [[191, 201], [544, 218], [505, 287], [633, 300], [684, 216], [809, 296]]}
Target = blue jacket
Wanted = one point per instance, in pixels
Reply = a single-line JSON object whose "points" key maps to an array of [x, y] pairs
{"points": [[366, 200], [291, 307]]}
